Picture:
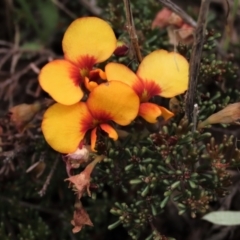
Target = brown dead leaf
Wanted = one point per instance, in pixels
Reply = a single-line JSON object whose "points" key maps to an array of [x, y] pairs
{"points": [[161, 19], [178, 30], [82, 181], [230, 114], [80, 218], [22, 114]]}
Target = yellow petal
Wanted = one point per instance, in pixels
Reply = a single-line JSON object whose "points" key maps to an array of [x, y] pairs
{"points": [[61, 80], [169, 70], [65, 126], [115, 101], [149, 111], [93, 139], [119, 72], [166, 114], [88, 36], [109, 130]]}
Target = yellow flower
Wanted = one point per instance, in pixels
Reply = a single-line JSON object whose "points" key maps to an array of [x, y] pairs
{"points": [[160, 73], [87, 41], [64, 127]]}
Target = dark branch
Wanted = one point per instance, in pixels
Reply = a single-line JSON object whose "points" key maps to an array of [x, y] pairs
{"points": [[195, 59]]}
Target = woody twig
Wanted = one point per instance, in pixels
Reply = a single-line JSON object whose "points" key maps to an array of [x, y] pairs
{"points": [[195, 60], [132, 31]]}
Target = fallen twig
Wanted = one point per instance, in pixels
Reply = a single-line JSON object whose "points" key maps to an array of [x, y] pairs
{"points": [[32, 206], [91, 6], [64, 9], [49, 177]]}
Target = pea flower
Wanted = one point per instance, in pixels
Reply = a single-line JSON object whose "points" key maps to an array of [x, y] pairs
{"points": [[64, 127], [86, 42], [160, 73]]}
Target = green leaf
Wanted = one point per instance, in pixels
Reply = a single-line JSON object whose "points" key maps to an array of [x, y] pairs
{"points": [[32, 46], [26, 8], [49, 17], [227, 218]]}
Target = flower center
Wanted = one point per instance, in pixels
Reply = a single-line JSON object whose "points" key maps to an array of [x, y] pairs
{"points": [[148, 90], [84, 72], [144, 96]]}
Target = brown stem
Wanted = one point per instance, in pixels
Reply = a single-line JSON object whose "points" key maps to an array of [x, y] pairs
{"points": [[195, 59], [132, 31]]}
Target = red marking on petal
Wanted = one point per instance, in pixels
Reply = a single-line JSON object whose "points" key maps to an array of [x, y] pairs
{"points": [[146, 89], [75, 75], [97, 75], [102, 117], [87, 123], [152, 88], [94, 76], [86, 62], [138, 87]]}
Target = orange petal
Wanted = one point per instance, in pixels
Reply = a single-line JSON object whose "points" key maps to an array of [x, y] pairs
{"points": [[65, 126], [93, 139], [115, 101], [97, 73], [169, 70], [110, 131], [61, 80], [90, 85], [95, 76], [166, 114], [88, 36], [119, 72], [149, 111]]}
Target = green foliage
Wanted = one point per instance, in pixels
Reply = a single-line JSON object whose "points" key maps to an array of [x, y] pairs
{"points": [[172, 165], [46, 22]]}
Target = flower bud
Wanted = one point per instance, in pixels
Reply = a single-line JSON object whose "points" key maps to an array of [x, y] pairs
{"points": [[122, 49]]}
